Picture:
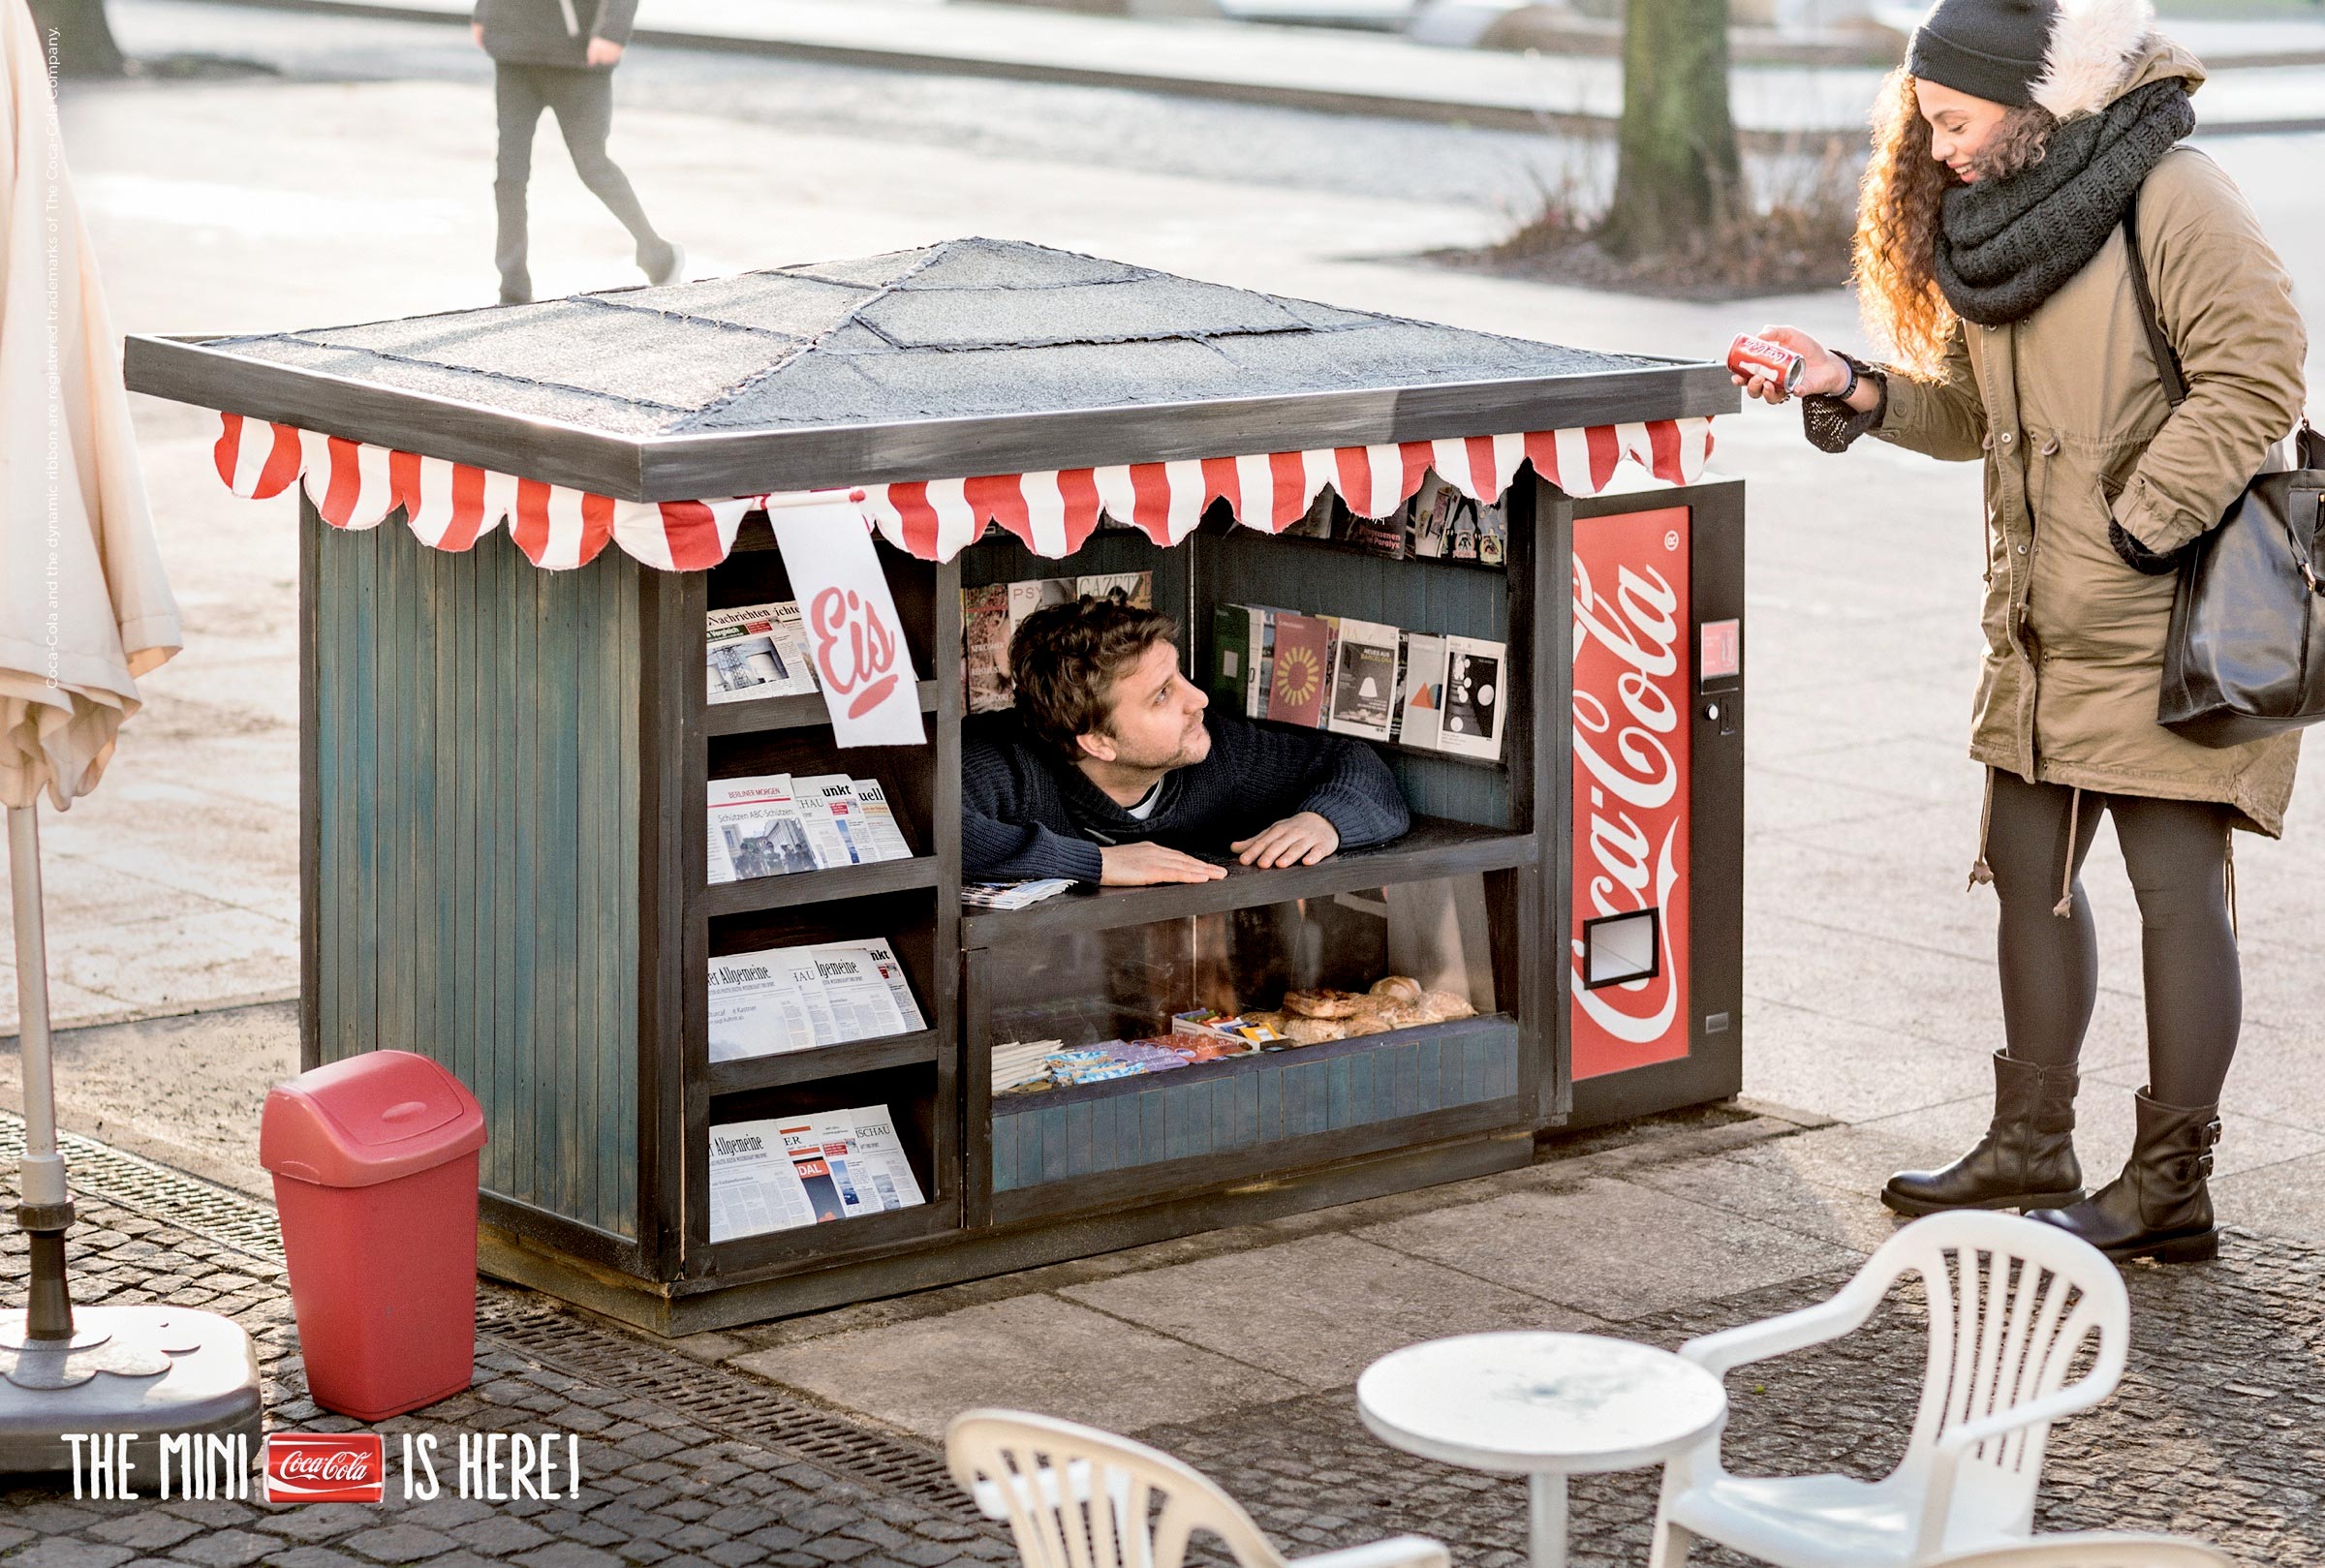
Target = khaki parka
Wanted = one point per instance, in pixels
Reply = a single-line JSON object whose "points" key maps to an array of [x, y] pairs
{"points": [[2066, 411]]}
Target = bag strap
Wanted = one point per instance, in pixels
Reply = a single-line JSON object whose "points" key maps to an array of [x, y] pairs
{"points": [[2167, 363]]}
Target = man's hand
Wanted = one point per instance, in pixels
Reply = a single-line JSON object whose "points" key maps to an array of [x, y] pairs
{"points": [[1301, 838], [475, 30], [604, 52], [1143, 865]]}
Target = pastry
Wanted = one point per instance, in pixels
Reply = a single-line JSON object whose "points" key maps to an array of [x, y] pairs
{"points": [[1325, 1003], [1314, 1030], [1446, 1004], [1397, 988], [1405, 1015], [1367, 1023]]}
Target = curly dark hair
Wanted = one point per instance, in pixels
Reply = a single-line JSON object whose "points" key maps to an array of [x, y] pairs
{"points": [[1064, 659], [1896, 218]]}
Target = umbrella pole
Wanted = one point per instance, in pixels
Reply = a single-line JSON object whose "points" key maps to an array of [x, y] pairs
{"points": [[46, 1210]]}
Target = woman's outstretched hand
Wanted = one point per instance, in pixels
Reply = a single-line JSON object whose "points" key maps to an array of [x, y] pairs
{"points": [[1824, 375]]}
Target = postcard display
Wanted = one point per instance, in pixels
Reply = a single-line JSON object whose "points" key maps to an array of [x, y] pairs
{"points": [[733, 1068]]}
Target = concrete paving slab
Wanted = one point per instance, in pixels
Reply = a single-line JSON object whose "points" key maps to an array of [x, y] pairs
{"points": [[1777, 1195], [1610, 1248], [1331, 1306], [1797, 1056], [2283, 1199], [1032, 1353], [1854, 1161]]}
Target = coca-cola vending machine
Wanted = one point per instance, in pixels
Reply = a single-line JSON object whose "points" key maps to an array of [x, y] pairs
{"points": [[1654, 964]]}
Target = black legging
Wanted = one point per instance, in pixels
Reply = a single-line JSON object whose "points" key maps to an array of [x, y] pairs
{"points": [[2175, 851]]}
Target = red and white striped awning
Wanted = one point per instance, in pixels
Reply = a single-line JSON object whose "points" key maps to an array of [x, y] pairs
{"points": [[450, 506]]}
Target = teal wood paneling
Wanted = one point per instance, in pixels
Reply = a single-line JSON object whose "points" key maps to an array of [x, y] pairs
{"points": [[478, 791], [1264, 1099]]}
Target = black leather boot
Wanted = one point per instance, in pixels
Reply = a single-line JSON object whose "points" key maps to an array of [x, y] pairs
{"points": [[2026, 1159], [2159, 1207]]}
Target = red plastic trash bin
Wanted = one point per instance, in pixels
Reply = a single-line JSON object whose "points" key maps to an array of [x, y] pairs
{"points": [[375, 1184]]}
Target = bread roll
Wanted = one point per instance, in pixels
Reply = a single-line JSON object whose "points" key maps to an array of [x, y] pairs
{"points": [[1446, 1004], [1325, 1004], [1397, 988], [1314, 1030]]}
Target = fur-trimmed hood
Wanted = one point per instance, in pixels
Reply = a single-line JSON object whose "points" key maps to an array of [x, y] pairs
{"points": [[2100, 50]]}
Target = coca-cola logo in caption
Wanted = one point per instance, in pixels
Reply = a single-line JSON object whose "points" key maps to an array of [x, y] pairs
{"points": [[1631, 804], [334, 1467]]}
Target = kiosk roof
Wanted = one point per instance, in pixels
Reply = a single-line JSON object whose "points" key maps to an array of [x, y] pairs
{"points": [[973, 355]]}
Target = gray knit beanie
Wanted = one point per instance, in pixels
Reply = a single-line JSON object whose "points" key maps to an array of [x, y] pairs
{"points": [[1988, 49]]}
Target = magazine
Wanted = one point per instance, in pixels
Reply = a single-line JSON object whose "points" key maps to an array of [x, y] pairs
{"points": [[757, 651], [753, 1186], [1428, 519], [1424, 693], [1364, 680], [1470, 724], [1295, 692], [1012, 895]]}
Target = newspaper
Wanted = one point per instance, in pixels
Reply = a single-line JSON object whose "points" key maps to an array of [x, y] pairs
{"points": [[863, 1007], [756, 830], [868, 1161], [882, 955], [1012, 895], [757, 651], [826, 809], [767, 1002], [881, 834], [753, 1187]]}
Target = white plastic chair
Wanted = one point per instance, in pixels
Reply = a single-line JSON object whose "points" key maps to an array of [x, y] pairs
{"points": [[1011, 1461], [2011, 1305], [2097, 1548]]}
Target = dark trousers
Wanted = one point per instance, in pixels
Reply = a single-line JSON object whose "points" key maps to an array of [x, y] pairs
{"points": [[2177, 853], [583, 103]]}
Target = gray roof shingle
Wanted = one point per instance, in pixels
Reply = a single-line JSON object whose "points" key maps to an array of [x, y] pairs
{"points": [[964, 329]]}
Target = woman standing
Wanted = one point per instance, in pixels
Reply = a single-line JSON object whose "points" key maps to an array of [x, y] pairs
{"points": [[2009, 152]]}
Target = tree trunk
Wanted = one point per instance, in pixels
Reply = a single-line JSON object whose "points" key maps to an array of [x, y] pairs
{"points": [[1677, 174], [83, 44]]}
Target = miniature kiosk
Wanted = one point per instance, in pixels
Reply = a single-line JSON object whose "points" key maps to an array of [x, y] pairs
{"points": [[507, 746]]}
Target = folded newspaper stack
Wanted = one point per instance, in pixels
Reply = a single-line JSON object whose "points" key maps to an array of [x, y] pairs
{"points": [[772, 824], [806, 1170], [1012, 895], [795, 999]]}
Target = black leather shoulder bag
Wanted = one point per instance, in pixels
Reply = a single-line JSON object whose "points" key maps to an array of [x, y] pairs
{"points": [[2245, 658]]}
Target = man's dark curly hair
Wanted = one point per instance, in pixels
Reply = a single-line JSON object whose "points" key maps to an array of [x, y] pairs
{"points": [[1064, 659]]}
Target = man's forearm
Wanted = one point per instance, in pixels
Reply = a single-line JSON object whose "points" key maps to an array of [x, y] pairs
{"points": [[996, 851]]}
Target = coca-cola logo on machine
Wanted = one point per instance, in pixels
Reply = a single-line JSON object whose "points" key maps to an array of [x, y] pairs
{"points": [[1630, 812]]}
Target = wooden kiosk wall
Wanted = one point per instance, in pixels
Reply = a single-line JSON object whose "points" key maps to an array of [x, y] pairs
{"points": [[503, 867]]}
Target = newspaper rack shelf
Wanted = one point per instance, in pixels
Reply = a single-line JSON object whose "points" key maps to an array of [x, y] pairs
{"points": [[504, 767]]}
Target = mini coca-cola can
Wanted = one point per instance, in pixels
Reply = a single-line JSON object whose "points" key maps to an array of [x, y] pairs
{"points": [[1749, 356]]}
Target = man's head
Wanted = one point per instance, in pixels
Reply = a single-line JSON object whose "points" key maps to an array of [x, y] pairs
{"points": [[1099, 681]]}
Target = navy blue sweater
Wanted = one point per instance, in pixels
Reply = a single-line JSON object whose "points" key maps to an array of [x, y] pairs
{"points": [[1026, 814]]}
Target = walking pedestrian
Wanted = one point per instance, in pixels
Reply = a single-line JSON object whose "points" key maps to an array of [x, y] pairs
{"points": [[2009, 152], [544, 58]]}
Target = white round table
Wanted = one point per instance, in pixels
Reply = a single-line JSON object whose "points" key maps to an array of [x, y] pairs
{"points": [[1543, 1406]]}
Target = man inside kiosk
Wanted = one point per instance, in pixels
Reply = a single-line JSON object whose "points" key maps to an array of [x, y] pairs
{"points": [[1111, 770]]}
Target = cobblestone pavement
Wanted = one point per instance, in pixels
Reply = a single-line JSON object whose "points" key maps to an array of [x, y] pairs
{"points": [[668, 1474], [2217, 1429]]}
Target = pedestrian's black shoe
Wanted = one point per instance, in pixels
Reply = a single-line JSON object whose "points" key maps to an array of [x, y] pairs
{"points": [[2026, 1159], [2160, 1207]]}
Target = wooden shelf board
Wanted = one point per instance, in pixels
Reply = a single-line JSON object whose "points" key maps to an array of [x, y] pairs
{"points": [[763, 893], [764, 715], [1433, 848], [815, 1245], [1491, 765], [754, 1073]]}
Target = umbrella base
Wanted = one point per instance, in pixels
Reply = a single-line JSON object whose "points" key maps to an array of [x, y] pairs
{"points": [[153, 1370]]}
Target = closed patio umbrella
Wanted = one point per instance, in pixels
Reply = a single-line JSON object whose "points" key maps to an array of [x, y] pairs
{"points": [[84, 609]]}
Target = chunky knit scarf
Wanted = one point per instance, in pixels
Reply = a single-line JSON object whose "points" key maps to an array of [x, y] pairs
{"points": [[2006, 245]]}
